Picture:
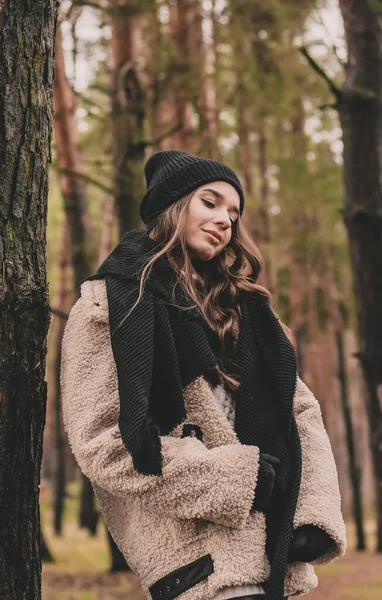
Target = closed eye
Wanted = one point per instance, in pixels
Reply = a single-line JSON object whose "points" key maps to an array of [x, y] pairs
{"points": [[212, 205]]}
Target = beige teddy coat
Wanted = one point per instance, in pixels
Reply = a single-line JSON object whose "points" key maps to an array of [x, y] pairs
{"points": [[201, 505]]}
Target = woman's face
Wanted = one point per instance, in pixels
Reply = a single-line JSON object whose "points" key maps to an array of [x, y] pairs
{"points": [[214, 207]]}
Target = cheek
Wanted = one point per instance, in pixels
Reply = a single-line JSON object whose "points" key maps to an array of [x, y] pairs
{"points": [[227, 239]]}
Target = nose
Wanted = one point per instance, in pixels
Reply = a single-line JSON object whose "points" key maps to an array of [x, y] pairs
{"points": [[223, 220]]}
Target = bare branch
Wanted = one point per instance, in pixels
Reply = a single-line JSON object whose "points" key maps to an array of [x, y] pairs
{"points": [[59, 313], [87, 178], [316, 67], [164, 135]]}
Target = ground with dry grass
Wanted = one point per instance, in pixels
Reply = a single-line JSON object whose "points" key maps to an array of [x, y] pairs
{"points": [[80, 570]]}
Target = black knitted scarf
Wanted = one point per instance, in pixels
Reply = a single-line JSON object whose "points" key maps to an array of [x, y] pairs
{"points": [[159, 349]]}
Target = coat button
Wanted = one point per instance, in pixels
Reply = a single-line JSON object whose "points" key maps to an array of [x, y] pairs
{"points": [[177, 581], [161, 593], [168, 589]]}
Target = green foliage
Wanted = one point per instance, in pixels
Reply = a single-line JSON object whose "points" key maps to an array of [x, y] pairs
{"points": [[259, 74]]}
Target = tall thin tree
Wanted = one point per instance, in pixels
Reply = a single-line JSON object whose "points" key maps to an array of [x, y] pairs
{"points": [[128, 100]]}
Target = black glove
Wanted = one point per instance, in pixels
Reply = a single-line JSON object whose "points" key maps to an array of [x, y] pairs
{"points": [[308, 543], [265, 481]]}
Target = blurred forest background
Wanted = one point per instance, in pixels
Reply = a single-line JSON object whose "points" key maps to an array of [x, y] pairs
{"points": [[254, 84]]}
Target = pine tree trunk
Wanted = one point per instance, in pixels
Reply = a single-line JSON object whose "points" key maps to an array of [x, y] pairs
{"points": [[264, 229], [69, 157], [118, 562], [355, 472], [360, 109], [88, 515], [187, 34], [59, 474], [160, 89], [354, 467], [107, 229], [46, 555], [128, 112], [27, 33]]}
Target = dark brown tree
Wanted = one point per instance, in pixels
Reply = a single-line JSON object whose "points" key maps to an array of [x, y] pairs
{"points": [[360, 109], [27, 32]]}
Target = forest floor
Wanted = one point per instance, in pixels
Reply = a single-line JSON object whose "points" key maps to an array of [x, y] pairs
{"points": [[80, 570]]}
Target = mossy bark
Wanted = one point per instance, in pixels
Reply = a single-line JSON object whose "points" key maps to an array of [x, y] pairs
{"points": [[27, 31]]}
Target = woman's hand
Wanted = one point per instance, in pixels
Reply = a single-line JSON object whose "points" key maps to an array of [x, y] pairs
{"points": [[308, 543], [265, 481]]}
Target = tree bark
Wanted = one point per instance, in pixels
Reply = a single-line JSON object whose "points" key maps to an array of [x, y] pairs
{"points": [[360, 109], [46, 555], [118, 562], [264, 227], [107, 229], [88, 515], [27, 33], [161, 88], [355, 471], [128, 112], [59, 472], [187, 34], [69, 157]]}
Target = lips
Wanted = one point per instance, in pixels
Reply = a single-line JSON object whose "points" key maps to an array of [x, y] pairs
{"points": [[216, 235]]}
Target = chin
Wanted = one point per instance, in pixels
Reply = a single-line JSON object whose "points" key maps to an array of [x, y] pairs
{"points": [[203, 254]]}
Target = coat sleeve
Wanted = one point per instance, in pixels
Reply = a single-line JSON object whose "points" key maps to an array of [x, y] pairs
{"points": [[319, 501], [214, 484]]}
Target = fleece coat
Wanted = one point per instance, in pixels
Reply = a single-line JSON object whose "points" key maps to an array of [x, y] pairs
{"points": [[195, 521]]}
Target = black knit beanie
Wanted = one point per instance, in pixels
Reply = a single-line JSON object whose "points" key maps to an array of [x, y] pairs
{"points": [[171, 174]]}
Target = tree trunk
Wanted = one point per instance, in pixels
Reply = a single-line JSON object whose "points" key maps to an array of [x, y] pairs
{"points": [[263, 227], [336, 319], [59, 478], [107, 229], [360, 109], [161, 88], [118, 562], [69, 158], [46, 555], [88, 515], [188, 36], [26, 77], [354, 467], [128, 112]]}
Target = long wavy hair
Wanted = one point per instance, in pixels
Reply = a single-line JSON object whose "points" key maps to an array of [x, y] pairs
{"points": [[236, 267]]}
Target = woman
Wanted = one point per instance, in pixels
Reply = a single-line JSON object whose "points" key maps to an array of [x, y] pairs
{"points": [[182, 403]]}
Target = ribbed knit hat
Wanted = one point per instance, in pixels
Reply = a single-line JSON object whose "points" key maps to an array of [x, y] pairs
{"points": [[171, 174]]}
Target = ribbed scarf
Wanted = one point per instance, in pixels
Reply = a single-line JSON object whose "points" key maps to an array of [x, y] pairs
{"points": [[159, 349]]}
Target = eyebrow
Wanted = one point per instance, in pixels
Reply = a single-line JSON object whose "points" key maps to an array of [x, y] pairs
{"points": [[222, 197]]}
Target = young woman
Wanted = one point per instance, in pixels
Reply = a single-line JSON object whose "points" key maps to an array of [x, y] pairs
{"points": [[183, 406]]}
